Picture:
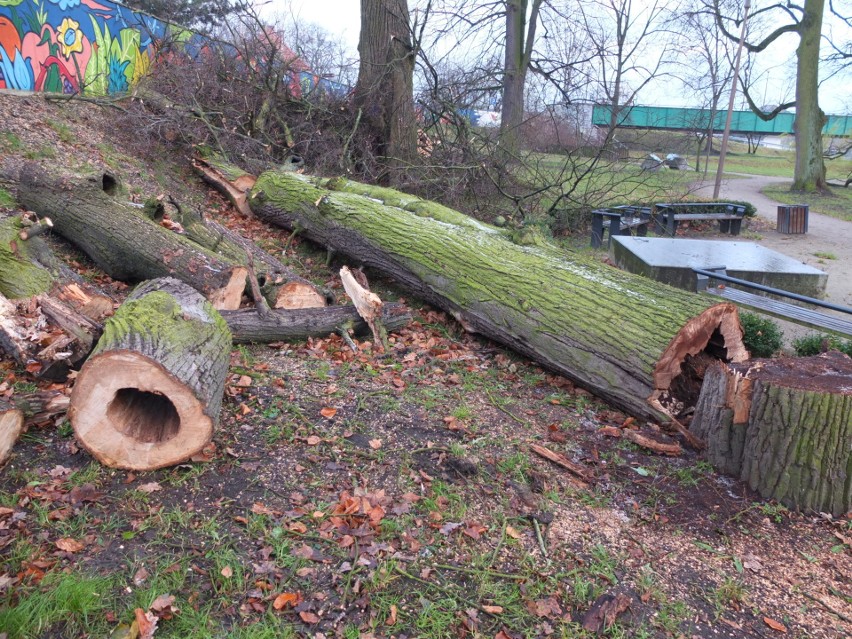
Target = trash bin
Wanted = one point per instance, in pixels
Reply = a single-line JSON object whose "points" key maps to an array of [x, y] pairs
{"points": [[793, 219]]}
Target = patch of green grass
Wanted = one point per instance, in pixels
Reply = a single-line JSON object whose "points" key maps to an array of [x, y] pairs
{"points": [[825, 255], [10, 142], [63, 130], [90, 474], [63, 605], [41, 153], [730, 591], [7, 199], [837, 203]]}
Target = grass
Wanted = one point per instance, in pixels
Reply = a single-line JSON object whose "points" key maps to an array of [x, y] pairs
{"points": [[837, 204], [7, 199], [66, 604]]}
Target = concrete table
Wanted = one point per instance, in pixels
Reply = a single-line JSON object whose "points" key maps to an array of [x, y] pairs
{"points": [[672, 260]]}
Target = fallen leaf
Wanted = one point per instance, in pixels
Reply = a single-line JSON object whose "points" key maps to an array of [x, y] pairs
{"points": [[391, 620], [150, 487], [513, 533], [164, 606], [313, 440], [140, 576], [493, 610], [449, 527], [328, 412], [147, 623], [227, 572], [375, 444], [244, 381], [308, 617], [69, 545], [604, 612], [775, 625], [285, 599], [474, 530]]}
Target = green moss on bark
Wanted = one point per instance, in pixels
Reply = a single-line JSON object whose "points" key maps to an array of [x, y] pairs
{"points": [[20, 277]]}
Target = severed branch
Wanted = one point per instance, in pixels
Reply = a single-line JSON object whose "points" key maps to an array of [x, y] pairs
{"points": [[367, 303]]}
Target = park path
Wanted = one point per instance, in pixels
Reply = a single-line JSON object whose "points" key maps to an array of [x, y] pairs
{"points": [[825, 234]]}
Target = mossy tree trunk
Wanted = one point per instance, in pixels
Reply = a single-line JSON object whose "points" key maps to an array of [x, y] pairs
{"points": [[150, 394], [621, 336], [123, 242], [784, 427]]}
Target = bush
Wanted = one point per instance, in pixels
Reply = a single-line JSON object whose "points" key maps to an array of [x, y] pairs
{"points": [[817, 343], [761, 336]]}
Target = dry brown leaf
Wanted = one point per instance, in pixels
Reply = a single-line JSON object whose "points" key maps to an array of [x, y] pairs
{"points": [[775, 625], [308, 617], [328, 412], [150, 487], [244, 381], [227, 572], [69, 545], [391, 620], [313, 440], [147, 623], [493, 610], [375, 444], [285, 599], [513, 533]]}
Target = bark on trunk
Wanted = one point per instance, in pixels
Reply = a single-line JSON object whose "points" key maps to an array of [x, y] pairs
{"points": [[247, 325], [150, 395], [621, 336], [784, 427], [125, 244]]}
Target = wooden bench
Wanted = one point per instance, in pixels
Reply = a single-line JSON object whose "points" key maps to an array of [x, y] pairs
{"points": [[619, 220], [667, 216], [771, 306]]}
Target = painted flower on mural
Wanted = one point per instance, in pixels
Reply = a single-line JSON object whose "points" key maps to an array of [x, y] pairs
{"points": [[66, 4], [17, 72], [70, 37], [117, 79]]}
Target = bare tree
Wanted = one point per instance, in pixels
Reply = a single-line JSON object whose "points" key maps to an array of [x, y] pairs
{"points": [[384, 94]]}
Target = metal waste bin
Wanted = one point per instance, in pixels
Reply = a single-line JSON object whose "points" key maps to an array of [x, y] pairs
{"points": [[793, 219]]}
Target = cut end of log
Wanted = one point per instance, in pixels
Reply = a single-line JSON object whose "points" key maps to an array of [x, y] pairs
{"points": [[298, 295], [229, 297], [129, 412], [11, 427], [715, 335]]}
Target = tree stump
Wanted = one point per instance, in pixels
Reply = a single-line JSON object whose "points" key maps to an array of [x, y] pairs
{"points": [[150, 394], [784, 426]]}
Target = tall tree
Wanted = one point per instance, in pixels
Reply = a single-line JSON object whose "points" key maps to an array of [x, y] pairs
{"points": [[189, 13], [521, 24], [384, 93], [806, 21]]}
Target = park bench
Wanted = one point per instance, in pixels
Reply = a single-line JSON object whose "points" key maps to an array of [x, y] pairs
{"points": [[770, 305], [667, 216], [619, 220]]}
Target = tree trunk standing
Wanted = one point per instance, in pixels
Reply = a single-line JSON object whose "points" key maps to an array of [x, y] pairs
{"points": [[125, 244], [810, 119], [784, 427], [150, 394], [621, 336], [520, 38], [385, 89]]}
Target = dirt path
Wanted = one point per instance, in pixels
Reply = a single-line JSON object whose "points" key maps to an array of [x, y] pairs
{"points": [[826, 235]]}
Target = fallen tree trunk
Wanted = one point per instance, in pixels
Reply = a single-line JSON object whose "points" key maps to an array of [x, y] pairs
{"points": [[125, 244], [150, 394], [623, 337], [248, 325], [784, 426]]}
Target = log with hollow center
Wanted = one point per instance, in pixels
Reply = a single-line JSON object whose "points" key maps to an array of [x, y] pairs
{"points": [[150, 394]]}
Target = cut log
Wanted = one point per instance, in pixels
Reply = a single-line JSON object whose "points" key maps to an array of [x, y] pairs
{"points": [[11, 427], [368, 305], [228, 179], [150, 394], [784, 426], [623, 337], [122, 241], [249, 326]]}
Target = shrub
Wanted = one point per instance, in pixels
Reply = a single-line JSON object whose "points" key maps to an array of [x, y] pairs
{"points": [[761, 336], [820, 343]]}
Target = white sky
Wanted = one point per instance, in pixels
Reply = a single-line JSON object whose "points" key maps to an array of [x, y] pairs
{"points": [[343, 17]]}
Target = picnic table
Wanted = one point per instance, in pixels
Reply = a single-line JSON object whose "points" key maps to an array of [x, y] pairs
{"points": [[666, 216]]}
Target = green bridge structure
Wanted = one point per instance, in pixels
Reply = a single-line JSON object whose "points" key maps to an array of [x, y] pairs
{"points": [[686, 119]]}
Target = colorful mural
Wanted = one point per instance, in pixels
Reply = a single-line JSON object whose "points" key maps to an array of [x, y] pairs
{"points": [[94, 47]]}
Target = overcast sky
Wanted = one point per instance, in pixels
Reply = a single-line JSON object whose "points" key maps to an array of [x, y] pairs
{"points": [[342, 17]]}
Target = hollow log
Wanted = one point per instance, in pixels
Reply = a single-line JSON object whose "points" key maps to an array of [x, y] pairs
{"points": [[150, 394], [247, 325], [621, 336], [784, 426], [122, 241]]}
